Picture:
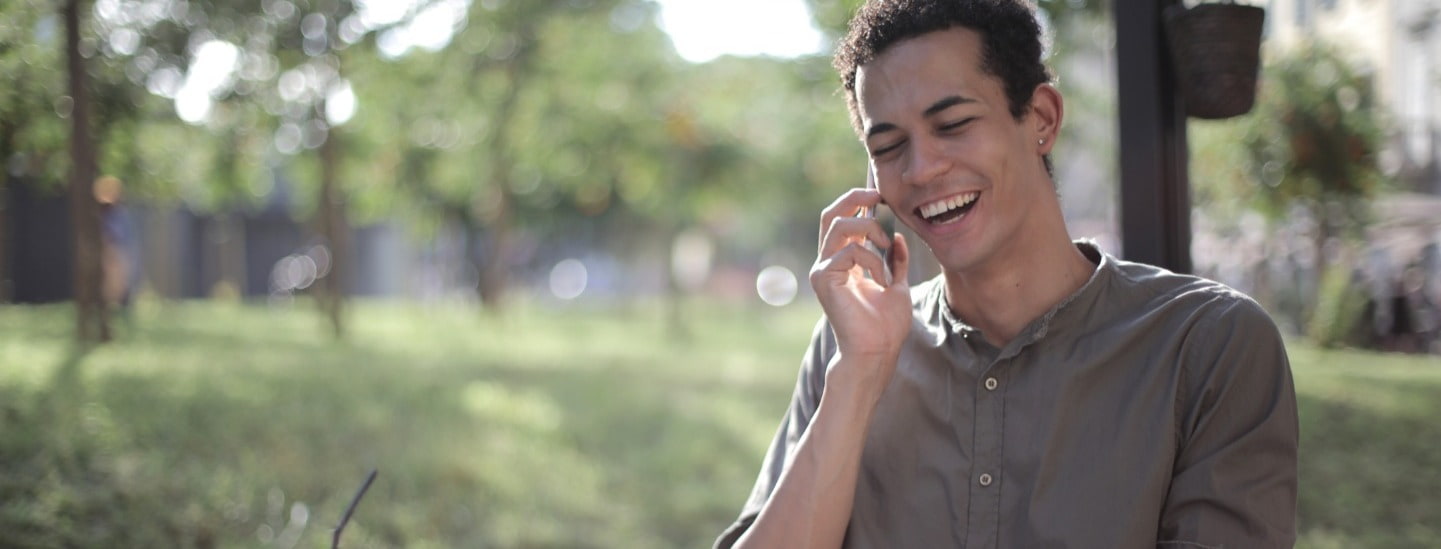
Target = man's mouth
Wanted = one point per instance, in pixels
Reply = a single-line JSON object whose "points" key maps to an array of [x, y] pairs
{"points": [[948, 210]]}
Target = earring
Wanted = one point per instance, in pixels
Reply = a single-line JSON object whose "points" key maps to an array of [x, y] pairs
{"points": [[1042, 142]]}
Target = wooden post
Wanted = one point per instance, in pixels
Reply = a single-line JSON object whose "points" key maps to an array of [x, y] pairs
{"points": [[1155, 193]]}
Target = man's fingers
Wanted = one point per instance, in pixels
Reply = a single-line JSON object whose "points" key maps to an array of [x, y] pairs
{"points": [[837, 267], [847, 230], [848, 205]]}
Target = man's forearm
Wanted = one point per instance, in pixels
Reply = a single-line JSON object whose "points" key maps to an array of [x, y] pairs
{"points": [[811, 505]]}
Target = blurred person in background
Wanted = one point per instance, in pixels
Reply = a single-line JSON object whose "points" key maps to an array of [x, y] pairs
{"points": [[117, 263], [1039, 392], [1420, 313]]}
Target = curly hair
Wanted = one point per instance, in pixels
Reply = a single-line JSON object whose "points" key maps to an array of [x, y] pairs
{"points": [[1010, 41]]}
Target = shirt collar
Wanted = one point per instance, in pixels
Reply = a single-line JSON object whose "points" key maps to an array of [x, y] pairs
{"points": [[940, 322]]}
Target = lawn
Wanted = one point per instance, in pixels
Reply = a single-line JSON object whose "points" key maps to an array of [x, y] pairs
{"points": [[224, 425]]}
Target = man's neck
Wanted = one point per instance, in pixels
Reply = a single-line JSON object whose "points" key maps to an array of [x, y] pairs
{"points": [[1006, 295]]}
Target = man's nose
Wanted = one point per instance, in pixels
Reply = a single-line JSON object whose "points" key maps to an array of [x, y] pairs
{"points": [[926, 161]]}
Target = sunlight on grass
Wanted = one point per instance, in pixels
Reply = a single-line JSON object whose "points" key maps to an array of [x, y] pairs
{"points": [[1370, 442], [227, 425]]}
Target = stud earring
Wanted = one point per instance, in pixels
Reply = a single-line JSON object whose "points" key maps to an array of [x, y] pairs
{"points": [[1042, 142]]}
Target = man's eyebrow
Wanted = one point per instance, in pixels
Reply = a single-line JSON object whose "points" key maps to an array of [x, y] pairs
{"points": [[880, 128], [935, 108], [946, 103]]}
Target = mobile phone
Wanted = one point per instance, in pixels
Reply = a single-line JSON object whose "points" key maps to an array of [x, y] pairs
{"points": [[886, 220]]}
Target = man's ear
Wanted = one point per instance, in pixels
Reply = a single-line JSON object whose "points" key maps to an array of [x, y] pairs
{"points": [[1044, 118]]}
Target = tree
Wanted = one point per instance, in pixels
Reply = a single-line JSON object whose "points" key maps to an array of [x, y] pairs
{"points": [[113, 123], [1314, 143], [516, 122], [833, 16], [285, 61], [1304, 162]]}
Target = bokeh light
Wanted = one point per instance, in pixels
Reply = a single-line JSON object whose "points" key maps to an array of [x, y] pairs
{"points": [[777, 286], [568, 279], [340, 103], [691, 257]]}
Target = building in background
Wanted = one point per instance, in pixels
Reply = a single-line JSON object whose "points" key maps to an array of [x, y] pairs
{"points": [[1399, 43]]}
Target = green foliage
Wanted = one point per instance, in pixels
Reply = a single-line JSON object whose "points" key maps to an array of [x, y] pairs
{"points": [[1312, 140], [560, 120], [551, 104], [1315, 136], [137, 135], [1336, 320], [32, 136], [833, 16], [1222, 181], [609, 132]]}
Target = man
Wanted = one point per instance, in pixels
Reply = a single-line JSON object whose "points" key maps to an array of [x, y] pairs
{"points": [[1039, 393]]}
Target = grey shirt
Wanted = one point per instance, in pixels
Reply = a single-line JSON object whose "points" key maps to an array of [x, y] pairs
{"points": [[1147, 409]]}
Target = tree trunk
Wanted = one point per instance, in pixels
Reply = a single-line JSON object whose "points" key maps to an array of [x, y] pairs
{"points": [[92, 324], [335, 229], [471, 237], [494, 273]]}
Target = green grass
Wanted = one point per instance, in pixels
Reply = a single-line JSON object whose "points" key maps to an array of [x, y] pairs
{"points": [[1370, 449], [222, 425]]}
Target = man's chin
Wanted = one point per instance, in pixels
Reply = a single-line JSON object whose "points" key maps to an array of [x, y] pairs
{"points": [[958, 258]]}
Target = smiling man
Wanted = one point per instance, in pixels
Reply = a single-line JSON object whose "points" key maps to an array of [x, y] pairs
{"points": [[1039, 392]]}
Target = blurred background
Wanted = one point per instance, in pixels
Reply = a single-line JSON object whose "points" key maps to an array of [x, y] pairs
{"points": [[543, 263]]}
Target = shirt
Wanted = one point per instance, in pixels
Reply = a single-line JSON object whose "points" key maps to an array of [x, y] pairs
{"points": [[1147, 409]]}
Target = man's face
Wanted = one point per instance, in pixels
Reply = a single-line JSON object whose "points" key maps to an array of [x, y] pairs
{"points": [[950, 160]]}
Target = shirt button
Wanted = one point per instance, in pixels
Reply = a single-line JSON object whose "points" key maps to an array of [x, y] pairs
{"points": [[991, 384], [985, 479]]}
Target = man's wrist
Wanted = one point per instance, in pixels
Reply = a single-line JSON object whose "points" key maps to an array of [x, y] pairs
{"points": [[858, 379]]}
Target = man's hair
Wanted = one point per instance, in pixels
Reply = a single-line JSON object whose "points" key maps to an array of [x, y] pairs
{"points": [[1010, 41]]}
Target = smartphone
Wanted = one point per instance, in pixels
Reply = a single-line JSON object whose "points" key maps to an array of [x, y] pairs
{"points": [[886, 220]]}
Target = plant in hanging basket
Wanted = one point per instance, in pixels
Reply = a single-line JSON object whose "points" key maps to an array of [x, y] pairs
{"points": [[1216, 50]]}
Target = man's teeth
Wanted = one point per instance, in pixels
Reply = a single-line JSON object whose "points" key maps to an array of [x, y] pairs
{"points": [[942, 206]]}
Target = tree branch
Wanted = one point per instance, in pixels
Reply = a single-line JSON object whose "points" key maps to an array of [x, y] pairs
{"points": [[345, 519]]}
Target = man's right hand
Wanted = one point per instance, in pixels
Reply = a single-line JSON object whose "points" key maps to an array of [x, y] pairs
{"points": [[812, 501], [871, 319]]}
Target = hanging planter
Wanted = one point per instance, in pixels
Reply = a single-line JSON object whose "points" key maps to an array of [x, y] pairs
{"points": [[1216, 50]]}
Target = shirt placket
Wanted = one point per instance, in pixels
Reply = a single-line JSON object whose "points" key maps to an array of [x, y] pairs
{"points": [[983, 519]]}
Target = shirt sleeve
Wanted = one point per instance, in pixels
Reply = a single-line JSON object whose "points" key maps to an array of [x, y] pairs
{"points": [[804, 401], [1234, 481]]}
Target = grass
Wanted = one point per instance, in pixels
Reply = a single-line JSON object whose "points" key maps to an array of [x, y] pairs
{"points": [[223, 425], [219, 425], [1370, 449]]}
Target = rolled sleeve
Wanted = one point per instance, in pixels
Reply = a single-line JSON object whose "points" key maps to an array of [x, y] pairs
{"points": [[1234, 482]]}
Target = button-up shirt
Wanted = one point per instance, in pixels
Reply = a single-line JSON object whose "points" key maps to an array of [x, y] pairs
{"points": [[1148, 409]]}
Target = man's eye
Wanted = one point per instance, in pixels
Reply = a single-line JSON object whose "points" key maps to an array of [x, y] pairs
{"points": [[956, 125], [881, 151]]}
